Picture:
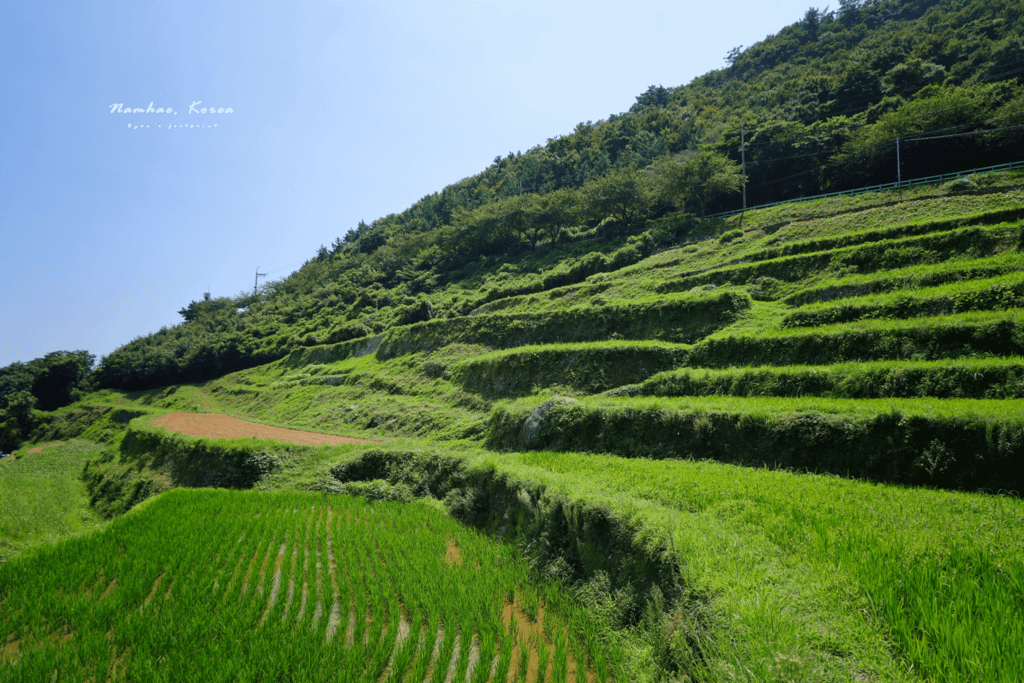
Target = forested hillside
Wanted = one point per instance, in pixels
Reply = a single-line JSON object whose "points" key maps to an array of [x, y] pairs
{"points": [[821, 105]]}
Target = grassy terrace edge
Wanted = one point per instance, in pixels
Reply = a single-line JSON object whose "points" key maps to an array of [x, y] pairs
{"points": [[951, 443]]}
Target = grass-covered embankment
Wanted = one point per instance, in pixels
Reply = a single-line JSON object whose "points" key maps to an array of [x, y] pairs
{"points": [[788, 555], [680, 319], [815, 577], [588, 368], [884, 255], [989, 294], [991, 378], [993, 334], [954, 443]]}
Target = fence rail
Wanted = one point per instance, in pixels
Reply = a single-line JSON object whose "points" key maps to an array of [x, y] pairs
{"points": [[941, 178]]}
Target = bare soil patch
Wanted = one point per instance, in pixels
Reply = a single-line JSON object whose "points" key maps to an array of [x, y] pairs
{"points": [[9, 652], [452, 553], [530, 633], [217, 426], [38, 449]]}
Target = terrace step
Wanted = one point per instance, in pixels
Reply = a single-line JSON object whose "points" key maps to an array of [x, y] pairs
{"points": [[952, 443], [914, 277], [870, 257], [988, 378], [588, 367], [679, 319], [996, 293], [999, 333]]}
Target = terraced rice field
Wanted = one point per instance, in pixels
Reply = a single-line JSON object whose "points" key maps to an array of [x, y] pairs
{"points": [[228, 586], [813, 430]]}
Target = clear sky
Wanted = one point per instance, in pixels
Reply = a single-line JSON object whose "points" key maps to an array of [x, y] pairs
{"points": [[341, 112]]}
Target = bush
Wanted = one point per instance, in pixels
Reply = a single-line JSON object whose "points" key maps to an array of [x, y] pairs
{"points": [[727, 237]]}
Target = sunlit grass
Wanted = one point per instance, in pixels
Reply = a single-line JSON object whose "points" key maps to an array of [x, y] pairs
{"points": [[941, 571], [219, 585], [42, 498]]}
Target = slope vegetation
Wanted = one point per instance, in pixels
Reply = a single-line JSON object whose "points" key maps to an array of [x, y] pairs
{"points": [[714, 443]]}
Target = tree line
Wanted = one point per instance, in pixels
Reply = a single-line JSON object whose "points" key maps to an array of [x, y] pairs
{"points": [[44, 384]]}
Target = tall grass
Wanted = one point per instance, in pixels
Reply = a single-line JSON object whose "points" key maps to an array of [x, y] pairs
{"points": [[952, 443], [909, 278], [943, 572]]}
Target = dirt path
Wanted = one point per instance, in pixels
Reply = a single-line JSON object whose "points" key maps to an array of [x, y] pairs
{"points": [[217, 426]]}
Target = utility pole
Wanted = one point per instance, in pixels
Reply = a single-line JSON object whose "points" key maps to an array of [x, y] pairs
{"points": [[743, 161], [256, 285], [899, 171]]}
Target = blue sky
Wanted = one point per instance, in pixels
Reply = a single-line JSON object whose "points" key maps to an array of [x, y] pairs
{"points": [[342, 112]]}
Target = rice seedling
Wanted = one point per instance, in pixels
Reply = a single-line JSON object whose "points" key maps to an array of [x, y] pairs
{"points": [[193, 585]]}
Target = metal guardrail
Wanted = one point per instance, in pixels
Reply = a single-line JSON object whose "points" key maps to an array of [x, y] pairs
{"points": [[941, 178]]}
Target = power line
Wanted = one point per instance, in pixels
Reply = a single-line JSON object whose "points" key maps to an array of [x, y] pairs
{"points": [[255, 286]]}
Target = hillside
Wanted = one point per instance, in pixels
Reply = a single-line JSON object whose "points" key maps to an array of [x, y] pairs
{"points": [[829, 103], [785, 452], [601, 421]]}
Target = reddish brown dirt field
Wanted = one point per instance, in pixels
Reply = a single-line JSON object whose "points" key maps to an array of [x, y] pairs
{"points": [[216, 426], [37, 449]]}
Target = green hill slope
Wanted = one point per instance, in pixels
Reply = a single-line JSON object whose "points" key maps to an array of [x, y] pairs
{"points": [[874, 338], [823, 105], [784, 445]]}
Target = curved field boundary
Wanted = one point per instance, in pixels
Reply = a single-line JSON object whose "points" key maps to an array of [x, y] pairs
{"points": [[216, 426]]}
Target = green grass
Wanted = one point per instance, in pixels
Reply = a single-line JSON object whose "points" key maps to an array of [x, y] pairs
{"points": [[707, 569], [679, 319], [886, 254], [218, 585], [838, 215], [839, 579], [364, 396], [908, 558], [577, 368], [43, 498], [992, 378], [964, 335], [996, 293], [910, 278], [773, 405], [952, 443]]}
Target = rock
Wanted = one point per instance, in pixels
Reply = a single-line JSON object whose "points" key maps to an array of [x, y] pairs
{"points": [[535, 426]]}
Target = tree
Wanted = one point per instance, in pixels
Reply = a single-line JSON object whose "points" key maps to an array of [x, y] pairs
{"points": [[553, 212], [910, 76], [698, 180], [849, 11], [654, 96], [16, 420], [208, 308], [61, 377], [624, 195], [812, 22]]}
